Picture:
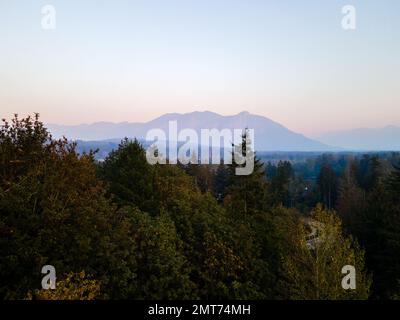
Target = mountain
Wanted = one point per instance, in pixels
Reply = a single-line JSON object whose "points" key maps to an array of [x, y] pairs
{"points": [[365, 139], [268, 135]]}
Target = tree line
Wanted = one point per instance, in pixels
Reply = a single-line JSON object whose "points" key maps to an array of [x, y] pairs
{"points": [[124, 229]]}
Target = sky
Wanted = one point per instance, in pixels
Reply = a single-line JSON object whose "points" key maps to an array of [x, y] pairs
{"points": [[117, 61]]}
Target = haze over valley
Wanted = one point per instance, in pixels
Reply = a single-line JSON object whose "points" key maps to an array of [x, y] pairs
{"points": [[269, 135]]}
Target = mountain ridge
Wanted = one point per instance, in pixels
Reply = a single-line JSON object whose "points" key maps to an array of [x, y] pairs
{"points": [[269, 135]]}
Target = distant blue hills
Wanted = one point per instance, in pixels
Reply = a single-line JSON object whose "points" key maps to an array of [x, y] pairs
{"points": [[365, 139], [269, 135]]}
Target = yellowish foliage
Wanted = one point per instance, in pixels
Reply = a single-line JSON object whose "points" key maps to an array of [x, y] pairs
{"points": [[74, 287]]}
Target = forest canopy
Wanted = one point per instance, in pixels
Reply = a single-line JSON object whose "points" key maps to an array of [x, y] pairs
{"points": [[124, 229]]}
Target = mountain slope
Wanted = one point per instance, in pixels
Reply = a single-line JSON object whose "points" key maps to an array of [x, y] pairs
{"points": [[269, 135]]}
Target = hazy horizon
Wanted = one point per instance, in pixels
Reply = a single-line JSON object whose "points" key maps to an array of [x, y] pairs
{"points": [[269, 134], [134, 61], [315, 135]]}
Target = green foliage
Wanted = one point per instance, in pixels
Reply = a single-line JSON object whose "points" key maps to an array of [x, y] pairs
{"points": [[327, 184], [246, 194], [156, 252], [129, 176], [187, 232], [314, 272], [53, 209], [280, 183], [381, 235], [351, 203]]}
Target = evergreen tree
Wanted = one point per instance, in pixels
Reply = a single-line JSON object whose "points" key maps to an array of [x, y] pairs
{"points": [[220, 182], [280, 183], [327, 183], [246, 194], [129, 175], [351, 203], [381, 237]]}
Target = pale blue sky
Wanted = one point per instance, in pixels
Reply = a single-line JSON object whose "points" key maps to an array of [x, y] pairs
{"points": [[135, 60]]}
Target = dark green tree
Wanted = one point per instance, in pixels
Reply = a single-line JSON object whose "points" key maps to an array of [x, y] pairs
{"points": [[129, 176], [327, 184], [246, 194]]}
